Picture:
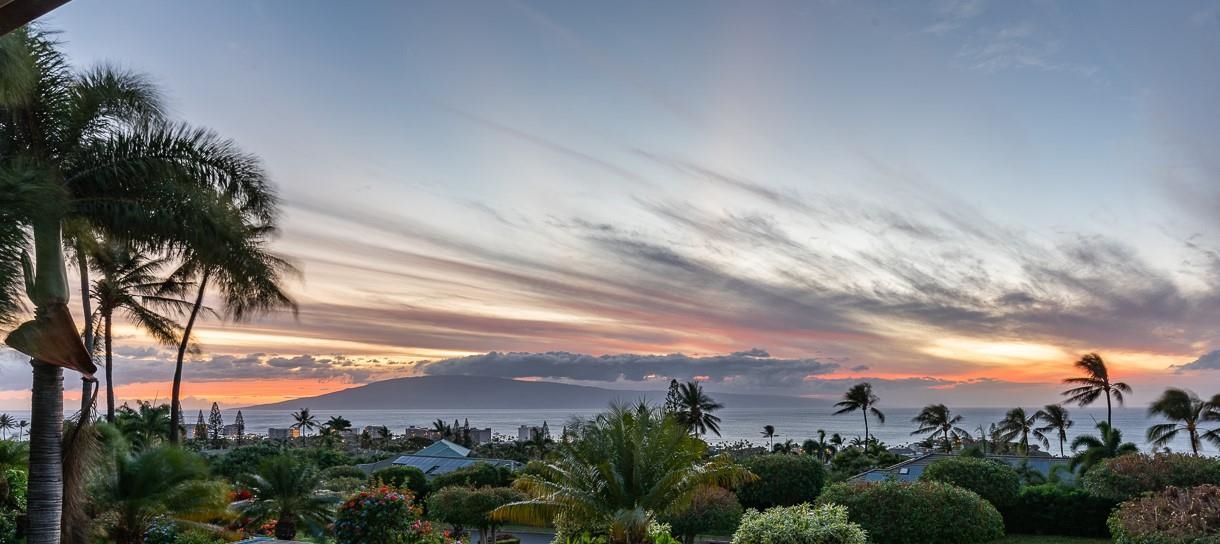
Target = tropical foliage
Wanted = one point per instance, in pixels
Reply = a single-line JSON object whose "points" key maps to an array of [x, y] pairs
{"points": [[621, 470], [284, 491], [1095, 384], [783, 480], [1019, 425], [1051, 509], [1090, 450], [383, 516], [936, 419], [996, 482], [1173, 516], [155, 484], [467, 507], [1185, 412], [1129, 476], [800, 524], [713, 510], [1055, 419], [696, 410]]}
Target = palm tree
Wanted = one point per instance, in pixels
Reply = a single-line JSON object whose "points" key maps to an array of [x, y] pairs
{"points": [[155, 484], [91, 148], [130, 283], [695, 410], [21, 425], [821, 448], [1056, 418], [937, 419], [1017, 424], [6, 422], [1185, 411], [336, 425], [1098, 448], [144, 427], [620, 471], [248, 276], [442, 429], [304, 421], [861, 397], [787, 447], [768, 432], [283, 490], [1094, 384]]}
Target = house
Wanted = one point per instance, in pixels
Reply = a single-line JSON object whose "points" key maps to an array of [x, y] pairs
{"points": [[911, 469], [441, 457], [276, 433]]}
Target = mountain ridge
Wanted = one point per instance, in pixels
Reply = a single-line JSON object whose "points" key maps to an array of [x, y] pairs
{"points": [[490, 393]]}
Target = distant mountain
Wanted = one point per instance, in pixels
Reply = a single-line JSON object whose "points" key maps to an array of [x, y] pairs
{"points": [[482, 393]]}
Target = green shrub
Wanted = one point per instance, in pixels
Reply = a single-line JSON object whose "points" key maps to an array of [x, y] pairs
{"points": [[343, 471], [477, 475], [243, 460], [344, 484], [383, 516], [917, 513], [1132, 475], [992, 480], [1172, 516], [802, 524], [1050, 509], [852, 461], [402, 478], [783, 480], [465, 507], [713, 511]]}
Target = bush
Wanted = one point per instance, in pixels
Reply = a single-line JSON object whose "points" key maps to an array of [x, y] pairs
{"points": [[477, 475], [1172, 516], [402, 478], [343, 471], [382, 516], [852, 461], [783, 480], [1051, 509], [13, 484], [344, 484], [714, 510], [243, 460], [803, 524], [465, 507], [992, 480], [918, 513], [1132, 475]]}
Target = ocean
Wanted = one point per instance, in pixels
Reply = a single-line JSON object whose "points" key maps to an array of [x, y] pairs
{"points": [[736, 423]]}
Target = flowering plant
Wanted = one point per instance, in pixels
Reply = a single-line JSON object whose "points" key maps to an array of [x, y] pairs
{"points": [[383, 516]]}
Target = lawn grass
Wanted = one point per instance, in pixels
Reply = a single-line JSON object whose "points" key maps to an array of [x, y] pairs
{"points": [[1036, 539]]}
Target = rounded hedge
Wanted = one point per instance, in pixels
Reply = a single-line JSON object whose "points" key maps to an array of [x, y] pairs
{"points": [[1173, 516], [783, 480], [801, 524], [402, 478], [996, 482], [917, 513], [1051, 509], [1132, 475]]}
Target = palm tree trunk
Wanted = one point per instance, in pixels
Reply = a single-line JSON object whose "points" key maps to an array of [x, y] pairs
{"points": [[109, 338], [46, 486], [285, 529], [186, 338], [1109, 418], [865, 412], [86, 385]]}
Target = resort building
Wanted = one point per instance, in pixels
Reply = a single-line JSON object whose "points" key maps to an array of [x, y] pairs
{"points": [[276, 433], [231, 430], [421, 432], [441, 457], [911, 469], [525, 433]]}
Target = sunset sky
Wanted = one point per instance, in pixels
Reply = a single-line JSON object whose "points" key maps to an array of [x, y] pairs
{"points": [[953, 200]]}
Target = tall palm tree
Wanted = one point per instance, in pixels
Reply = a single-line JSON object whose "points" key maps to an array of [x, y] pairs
{"points": [[695, 410], [1094, 384], [861, 397], [283, 490], [1017, 423], [7, 422], [768, 432], [21, 425], [91, 147], [155, 484], [823, 449], [304, 421], [936, 419], [442, 429], [1056, 419], [1185, 411], [248, 277], [1108, 444], [624, 467], [130, 283]]}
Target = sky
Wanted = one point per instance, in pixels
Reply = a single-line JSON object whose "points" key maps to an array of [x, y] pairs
{"points": [[953, 200]]}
